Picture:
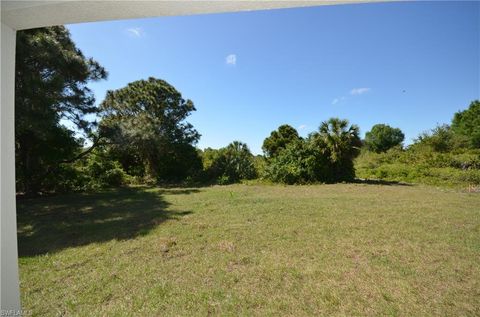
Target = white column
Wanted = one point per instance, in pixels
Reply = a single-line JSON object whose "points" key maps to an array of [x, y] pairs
{"points": [[9, 292]]}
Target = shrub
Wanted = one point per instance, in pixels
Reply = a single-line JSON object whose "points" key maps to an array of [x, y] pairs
{"points": [[260, 165], [66, 178], [102, 171], [421, 165], [230, 164], [325, 156], [298, 163], [440, 139], [288, 167], [467, 124]]}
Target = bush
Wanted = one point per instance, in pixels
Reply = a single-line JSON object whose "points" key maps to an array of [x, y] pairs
{"points": [[230, 164], [101, 171], [179, 162], [260, 165], [66, 178], [421, 165], [440, 139], [298, 163], [467, 125], [325, 156]]}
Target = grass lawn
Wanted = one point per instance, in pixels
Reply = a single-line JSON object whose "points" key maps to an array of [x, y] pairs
{"points": [[345, 249]]}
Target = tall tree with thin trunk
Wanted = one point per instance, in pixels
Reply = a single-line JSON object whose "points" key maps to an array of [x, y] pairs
{"points": [[51, 78]]}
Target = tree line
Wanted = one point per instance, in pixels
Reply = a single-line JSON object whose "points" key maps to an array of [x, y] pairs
{"points": [[140, 133]]}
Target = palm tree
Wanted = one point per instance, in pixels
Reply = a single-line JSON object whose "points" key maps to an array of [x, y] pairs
{"points": [[338, 138], [239, 161]]}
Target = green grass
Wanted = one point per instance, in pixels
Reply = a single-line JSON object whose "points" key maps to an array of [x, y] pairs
{"points": [[346, 249]]}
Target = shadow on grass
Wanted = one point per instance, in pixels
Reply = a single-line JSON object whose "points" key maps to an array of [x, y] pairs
{"points": [[380, 182], [178, 191], [50, 224]]}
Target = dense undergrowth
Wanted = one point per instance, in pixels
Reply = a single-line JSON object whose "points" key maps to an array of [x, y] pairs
{"points": [[460, 168]]}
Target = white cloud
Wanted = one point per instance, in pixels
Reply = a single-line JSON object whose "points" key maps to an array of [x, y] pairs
{"points": [[359, 91], [231, 59], [337, 100], [136, 32], [354, 91], [302, 126]]}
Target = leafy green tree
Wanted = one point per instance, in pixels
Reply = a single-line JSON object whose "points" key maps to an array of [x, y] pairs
{"points": [[148, 117], [383, 137], [340, 142], [466, 124], [279, 139], [51, 77]]}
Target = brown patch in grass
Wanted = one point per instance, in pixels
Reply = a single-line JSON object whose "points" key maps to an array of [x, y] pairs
{"points": [[226, 246], [165, 245]]}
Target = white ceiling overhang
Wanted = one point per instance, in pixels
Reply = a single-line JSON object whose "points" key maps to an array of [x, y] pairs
{"points": [[21, 15]]}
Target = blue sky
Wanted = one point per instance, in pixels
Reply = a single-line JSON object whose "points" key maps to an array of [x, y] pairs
{"points": [[410, 65]]}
